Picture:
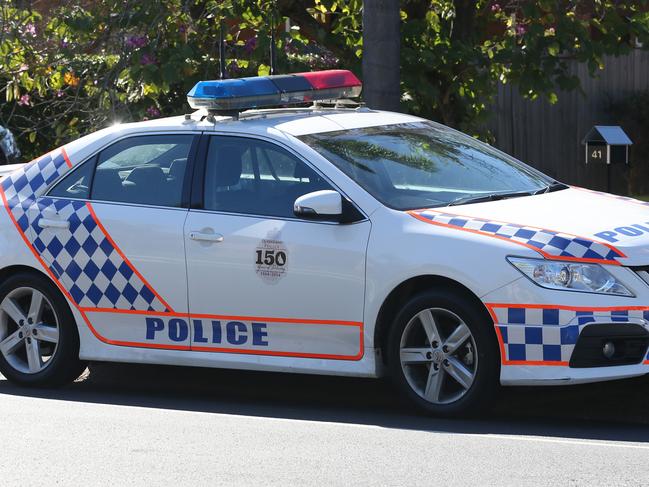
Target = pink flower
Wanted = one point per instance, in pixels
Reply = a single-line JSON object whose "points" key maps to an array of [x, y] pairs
{"points": [[521, 30], [233, 69], [25, 100], [30, 29], [135, 42], [153, 112], [250, 45], [147, 59], [495, 7], [59, 93]]}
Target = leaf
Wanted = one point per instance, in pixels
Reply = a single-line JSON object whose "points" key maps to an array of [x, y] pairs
{"points": [[263, 70], [553, 49]]}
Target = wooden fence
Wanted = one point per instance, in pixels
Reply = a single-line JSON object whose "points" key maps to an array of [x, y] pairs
{"points": [[549, 137]]}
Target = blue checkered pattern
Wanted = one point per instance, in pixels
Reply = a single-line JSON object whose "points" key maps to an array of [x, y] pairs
{"points": [[81, 257], [554, 245], [550, 334]]}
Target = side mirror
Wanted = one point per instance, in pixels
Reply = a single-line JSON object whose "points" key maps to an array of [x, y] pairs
{"points": [[324, 205]]}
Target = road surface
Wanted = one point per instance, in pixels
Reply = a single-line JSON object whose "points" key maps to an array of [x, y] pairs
{"points": [[144, 425]]}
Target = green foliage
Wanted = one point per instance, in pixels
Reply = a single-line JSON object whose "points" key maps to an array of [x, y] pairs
{"points": [[74, 67], [462, 49]]}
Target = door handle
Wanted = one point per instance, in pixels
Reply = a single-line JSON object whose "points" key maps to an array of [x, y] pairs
{"points": [[47, 223], [206, 237]]}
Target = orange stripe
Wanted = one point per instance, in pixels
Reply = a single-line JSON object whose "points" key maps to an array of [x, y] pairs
{"points": [[298, 321], [131, 311], [128, 262], [536, 362], [536, 249], [65, 157]]}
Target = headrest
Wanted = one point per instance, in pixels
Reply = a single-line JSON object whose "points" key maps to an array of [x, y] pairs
{"points": [[147, 175], [177, 167], [229, 164], [106, 185], [301, 171]]}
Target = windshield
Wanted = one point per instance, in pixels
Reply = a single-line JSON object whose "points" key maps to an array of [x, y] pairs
{"points": [[425, 164]]}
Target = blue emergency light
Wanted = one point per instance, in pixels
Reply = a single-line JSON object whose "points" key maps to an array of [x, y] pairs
{"points": [[265, 91]]}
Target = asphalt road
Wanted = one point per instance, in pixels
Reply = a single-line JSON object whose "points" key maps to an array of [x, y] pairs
{"points": [[144, 425]]}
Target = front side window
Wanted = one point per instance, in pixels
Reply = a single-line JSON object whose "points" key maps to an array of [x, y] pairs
{"points": [[424, 164], [145, 170], [255, 177]]}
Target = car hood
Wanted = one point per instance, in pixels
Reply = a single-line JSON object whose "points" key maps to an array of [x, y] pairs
{"points": [[571, 224]]}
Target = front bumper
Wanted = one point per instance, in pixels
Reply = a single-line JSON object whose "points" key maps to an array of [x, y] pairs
{"points": [[538, 331]]}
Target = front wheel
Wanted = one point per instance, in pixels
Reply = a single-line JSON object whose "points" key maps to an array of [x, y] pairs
{"points": [[443, 355], [39, 343]]}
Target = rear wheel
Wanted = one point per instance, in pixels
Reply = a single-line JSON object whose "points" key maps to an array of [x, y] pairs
{"points": [[442, 354], [39, 343]]}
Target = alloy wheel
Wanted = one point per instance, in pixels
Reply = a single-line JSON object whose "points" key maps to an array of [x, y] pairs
{"points": [[438, 355], [29, 330]]}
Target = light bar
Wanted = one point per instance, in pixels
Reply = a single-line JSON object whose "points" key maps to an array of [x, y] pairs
{"points": [[265, 91]]}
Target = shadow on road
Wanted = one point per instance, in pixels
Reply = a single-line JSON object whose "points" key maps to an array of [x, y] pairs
{"points": [[607, 411]]}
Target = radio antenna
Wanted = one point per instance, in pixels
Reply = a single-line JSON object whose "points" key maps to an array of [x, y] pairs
{"points": [[273, 47], [221, 51]]}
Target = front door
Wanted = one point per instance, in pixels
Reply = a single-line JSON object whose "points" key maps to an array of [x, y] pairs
{"points": [[261, 281]]}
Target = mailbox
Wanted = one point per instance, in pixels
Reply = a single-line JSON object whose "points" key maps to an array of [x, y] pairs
{"points": [[607, 144]]}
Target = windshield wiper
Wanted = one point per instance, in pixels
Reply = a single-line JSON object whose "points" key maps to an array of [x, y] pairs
{"points": [[464, 200], [555, 186]]}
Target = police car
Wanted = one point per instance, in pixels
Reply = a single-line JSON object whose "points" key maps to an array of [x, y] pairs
{"points": [[341, 241]]}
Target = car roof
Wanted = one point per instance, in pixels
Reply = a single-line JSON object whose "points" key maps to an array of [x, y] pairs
{"points": [[295, 121], [271, 122]]}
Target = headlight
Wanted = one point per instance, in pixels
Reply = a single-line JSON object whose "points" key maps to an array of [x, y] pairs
{"points": [[568, 276]]}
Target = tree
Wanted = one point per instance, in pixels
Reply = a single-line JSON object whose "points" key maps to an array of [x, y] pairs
{"points": [[455, 52], [68, 68], [381, 41]]}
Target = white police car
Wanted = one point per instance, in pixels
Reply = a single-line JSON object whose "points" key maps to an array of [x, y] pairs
{"points": [[329, 241]]}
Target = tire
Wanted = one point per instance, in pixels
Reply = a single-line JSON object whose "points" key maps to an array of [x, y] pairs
{"points": [[43, 351], [425, 365]]}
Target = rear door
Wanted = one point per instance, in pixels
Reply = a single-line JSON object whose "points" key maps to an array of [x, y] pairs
{"points": [[262, 281], [112, 232]]}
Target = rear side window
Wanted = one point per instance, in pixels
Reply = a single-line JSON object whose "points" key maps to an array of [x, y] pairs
{"points": [[146, 170]]}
